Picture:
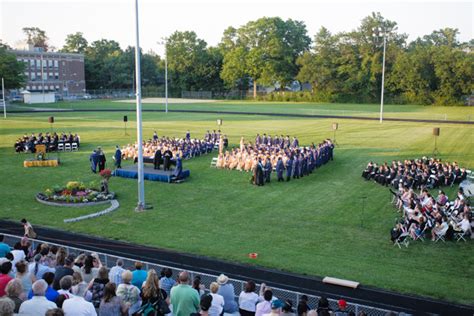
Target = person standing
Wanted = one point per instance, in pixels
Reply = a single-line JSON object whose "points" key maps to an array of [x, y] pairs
{"points": [[227, 291], [268, 170], [4, 248], [184, 298], [157, 159], [38, 304], [279, 169], [94, 159], [102, 159], [118, 157], [29, 231]]}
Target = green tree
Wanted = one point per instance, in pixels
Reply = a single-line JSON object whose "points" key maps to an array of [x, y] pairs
{"points": [[264, 50], [75, 43], [100, 64], [36, 37], [11, 70]]}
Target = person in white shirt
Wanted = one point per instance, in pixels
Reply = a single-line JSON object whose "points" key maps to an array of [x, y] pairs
{"points": [[248, 299], [18, 255], [38, 305], [115, 273], [217, 305], [77, 305]]}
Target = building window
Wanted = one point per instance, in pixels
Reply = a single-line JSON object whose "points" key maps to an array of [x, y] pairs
{"points": [[51, 87], [51, 75], [57, 87], [50, 63], [56, 64], [27, 87], [33, 87], [56, 75], [32, 63], [44, 63], [33, 76], [45, 76]]}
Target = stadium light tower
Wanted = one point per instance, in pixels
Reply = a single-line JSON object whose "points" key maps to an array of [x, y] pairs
{"points": [[141, 185], [381, 32], [165, 43]]}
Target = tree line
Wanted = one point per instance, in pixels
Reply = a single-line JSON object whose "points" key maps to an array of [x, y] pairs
{"points": [[342, 67]]}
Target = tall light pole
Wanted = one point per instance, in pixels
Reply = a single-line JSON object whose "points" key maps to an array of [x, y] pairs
{"points": [[377, 32], [3, 99], [165, 43], [141, 185]]}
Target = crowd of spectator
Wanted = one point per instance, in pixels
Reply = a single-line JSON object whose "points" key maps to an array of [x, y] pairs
{"points": [[186, 147], [49, 281], [27, 143], [416, 173], [280, 154]]}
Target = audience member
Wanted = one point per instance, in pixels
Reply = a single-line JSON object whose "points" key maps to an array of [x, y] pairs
{"points": [[217, 306], [138, 276], [248, 299], [14, 291], [184, 298], [38, 304], [97, 286], [115, 273], [4, 248], [63, 271], [129, 293], [151, 294], [77, 305], [111, 304], [228, 293], [205, 304], [265, 306], [5, 277], [7, 307], [166, 281]]}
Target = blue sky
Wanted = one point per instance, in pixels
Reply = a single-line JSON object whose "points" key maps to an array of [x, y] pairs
{"points": [[114, 19]]}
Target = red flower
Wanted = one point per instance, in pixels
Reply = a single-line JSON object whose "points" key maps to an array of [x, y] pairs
{"points": [[106, 173]]}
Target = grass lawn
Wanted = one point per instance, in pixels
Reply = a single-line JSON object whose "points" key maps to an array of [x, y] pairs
{"points": [[314, 225]]}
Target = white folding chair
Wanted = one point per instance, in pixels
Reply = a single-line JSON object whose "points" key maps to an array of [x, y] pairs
{"points": [[441, 235], [67, 147], [74, 147], [60, 146], [214, 162], [402, 240]]}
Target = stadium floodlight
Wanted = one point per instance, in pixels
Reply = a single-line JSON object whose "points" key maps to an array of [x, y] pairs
{"points": [[381, 32], [165, 43], [141, 185]]}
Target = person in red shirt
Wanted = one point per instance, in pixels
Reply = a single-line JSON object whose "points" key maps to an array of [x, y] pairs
{"points": [[5, 268]]}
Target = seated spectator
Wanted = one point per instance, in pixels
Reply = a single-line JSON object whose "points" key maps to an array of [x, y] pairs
{"points": [[7, 307], [248, 299], [38, 304], [66, 286], [166, 281], [323, 306], [341, 310], [440, 228], [55, 312], [303, 307], [77, 305], [198, 286], [14, 291], [287, 308], [129, 293], [138, 276], [51, 294], [111, 304], [115, 273], [4, 248], [151, 293], [265, 306], [184, 298], [24, 277], [63, 271], [276, 306], [205, 304], [217, 305], [89, 272], [5, 277], [227, 291], [97, 286]]}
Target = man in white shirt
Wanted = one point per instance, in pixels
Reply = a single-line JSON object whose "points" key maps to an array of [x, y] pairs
{"points": [[38, 305], [77, 305], [115, 273]]}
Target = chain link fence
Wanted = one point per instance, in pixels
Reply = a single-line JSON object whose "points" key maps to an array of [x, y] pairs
{"points": [[206, 279]]}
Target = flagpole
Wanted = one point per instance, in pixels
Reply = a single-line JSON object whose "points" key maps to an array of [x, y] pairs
{"points": [[141, 186]]}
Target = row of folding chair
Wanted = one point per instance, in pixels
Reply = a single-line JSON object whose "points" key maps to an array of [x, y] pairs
{"points": [[68, 147]]}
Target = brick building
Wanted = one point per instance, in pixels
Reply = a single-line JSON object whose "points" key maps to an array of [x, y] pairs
{"points": [[62, 73]]}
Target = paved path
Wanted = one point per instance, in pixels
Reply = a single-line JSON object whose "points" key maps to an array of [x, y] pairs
{"points": [[311, 285]]}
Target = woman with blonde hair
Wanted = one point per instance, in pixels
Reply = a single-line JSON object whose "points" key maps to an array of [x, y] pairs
{"points": [[151, 291]]}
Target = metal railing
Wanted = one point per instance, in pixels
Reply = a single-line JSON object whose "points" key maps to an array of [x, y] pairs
{"points": [[109, 261]]}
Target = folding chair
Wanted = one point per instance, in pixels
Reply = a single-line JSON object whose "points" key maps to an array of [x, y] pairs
{"points": [[214, 162], [67, 147], [421, 235], [402, 240], [74, 147], [460, 235], [61, 146], [441, 235]]}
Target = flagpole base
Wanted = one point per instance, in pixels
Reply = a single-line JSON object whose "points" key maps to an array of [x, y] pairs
{"points": [[143, 207]]}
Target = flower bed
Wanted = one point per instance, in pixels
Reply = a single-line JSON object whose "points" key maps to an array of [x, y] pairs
{"points": [[75, 193]]}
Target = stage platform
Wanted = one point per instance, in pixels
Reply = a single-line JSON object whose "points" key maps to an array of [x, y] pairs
{"points": [[148, 172]]}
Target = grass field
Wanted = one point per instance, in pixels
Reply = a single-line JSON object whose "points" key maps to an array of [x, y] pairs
{"points": [[314, 225]]}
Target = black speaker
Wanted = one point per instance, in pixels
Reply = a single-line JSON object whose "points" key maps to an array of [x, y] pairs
{"points": [[125, 118], [436, 131], [51, 119]]}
